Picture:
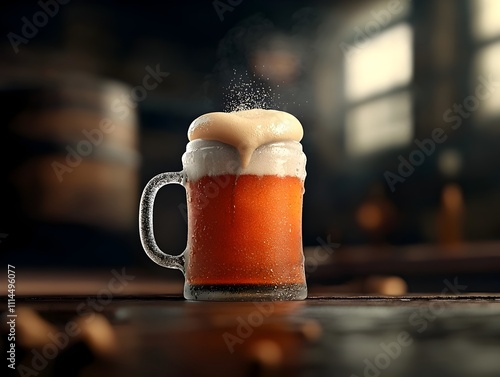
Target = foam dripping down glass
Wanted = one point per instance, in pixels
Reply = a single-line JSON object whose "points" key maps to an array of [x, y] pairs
{"points": [[244, 177]]}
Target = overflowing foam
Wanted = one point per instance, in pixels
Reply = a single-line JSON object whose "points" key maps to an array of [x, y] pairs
{"points": [[214, 158], [247, 130]]}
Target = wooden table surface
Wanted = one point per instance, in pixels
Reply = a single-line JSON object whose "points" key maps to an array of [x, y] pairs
{"points": [[165, 335], [125, 322]]}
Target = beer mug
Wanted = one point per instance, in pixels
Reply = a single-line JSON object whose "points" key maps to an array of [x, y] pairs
{"points": [[244, 223]]}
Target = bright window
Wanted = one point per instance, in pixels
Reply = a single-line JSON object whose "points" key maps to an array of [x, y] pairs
{"points": [[486, 30], [488, 71], [379, 124], [384, 63], [379, 114], [486, 18]]}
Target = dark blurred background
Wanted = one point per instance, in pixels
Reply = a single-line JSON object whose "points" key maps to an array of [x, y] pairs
{"points": [[400, 103]]}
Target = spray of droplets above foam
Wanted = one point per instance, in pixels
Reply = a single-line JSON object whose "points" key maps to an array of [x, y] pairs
{"points": [[248, 91]]}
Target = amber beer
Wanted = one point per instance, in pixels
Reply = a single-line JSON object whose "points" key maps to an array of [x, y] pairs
{"points": [[249, 233]]}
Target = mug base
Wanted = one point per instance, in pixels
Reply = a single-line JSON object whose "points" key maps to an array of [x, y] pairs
{"points": [[245, 292]]}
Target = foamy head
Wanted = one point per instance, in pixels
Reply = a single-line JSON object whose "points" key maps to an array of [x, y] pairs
{"points": [[246, 130], [213, 158]]}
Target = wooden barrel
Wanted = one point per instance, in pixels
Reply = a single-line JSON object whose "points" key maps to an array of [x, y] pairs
{"points": [[69, 152]]}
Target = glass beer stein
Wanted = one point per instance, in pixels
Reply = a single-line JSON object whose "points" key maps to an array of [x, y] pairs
{"points": [[244, 224]]}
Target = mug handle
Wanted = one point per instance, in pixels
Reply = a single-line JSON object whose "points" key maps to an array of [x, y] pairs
{"points": [[146, 220]]}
